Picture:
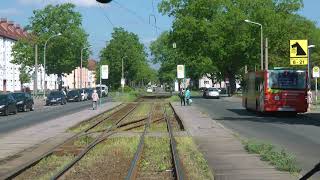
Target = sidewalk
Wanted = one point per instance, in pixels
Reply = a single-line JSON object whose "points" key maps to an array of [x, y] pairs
{"points": [[225, 154], [18, 147]]}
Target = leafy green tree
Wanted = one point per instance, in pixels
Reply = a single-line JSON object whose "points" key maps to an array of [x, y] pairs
{"points": [[63, 52], [214, 38], [24, 75], [124, 46]]}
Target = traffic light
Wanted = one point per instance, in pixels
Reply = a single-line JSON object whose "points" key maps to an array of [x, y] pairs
{"points": [[104, 1]]}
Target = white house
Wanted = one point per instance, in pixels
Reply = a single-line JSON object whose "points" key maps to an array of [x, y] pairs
{"points": [[9, 73]]}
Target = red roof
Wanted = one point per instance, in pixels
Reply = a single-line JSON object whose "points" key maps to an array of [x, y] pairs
{"points": [[10, 30], [92, 65]]}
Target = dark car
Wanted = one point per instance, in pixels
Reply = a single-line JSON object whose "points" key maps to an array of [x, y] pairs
{"points": [[56, 97], [24, 101], [89, 91], [7, 104], [74, 96]]}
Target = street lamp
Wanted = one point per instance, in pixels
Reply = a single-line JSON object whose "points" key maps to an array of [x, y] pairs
{"points": [[309, 66], [248, 21], [44, 61], [81, 65], [122, 73]]}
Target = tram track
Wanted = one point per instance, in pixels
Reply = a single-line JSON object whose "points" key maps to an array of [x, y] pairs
{"points": [[178, 172], [122, 120], [97, 120]]}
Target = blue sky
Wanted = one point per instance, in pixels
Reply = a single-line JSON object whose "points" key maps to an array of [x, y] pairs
{"points": [[133, 15]]}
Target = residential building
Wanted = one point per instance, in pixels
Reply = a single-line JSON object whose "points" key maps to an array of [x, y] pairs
{"points": [[73, 80], [9, 72]]}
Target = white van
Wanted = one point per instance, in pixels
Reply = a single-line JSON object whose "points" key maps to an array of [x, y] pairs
{"points": [[104, 89]]}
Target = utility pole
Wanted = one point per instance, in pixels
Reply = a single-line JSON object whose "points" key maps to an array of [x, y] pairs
{"points": [[35, 80], [266, 66]]}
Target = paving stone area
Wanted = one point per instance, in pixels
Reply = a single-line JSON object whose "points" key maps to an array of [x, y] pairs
{"points": [[40, 137], [224, 152]]}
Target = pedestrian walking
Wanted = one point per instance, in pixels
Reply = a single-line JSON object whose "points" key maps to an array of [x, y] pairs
{"points": [[95, 98], [188, 96], [309, 100], [182, 97]]}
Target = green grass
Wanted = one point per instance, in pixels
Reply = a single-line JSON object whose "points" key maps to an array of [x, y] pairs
{"points": [[156, 155], [282, 160], [195, 93], [83, 141], [125, 97], [174, 98], [106, 160], [158, 127], [46, 168], [86, 124], [128, 145], [195, 165]]}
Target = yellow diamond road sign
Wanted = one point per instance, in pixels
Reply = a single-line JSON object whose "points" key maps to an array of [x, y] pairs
{"points": [[298, 52]]}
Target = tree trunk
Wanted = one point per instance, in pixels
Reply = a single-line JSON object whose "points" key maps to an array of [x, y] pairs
{"points": [[232, 82], [60, 82]]}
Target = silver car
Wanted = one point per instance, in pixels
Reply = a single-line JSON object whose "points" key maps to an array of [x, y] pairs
{"points": [[211, 93]]}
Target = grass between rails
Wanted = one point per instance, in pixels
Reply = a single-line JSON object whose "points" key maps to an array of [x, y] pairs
{"points": [[282, 160], [86, 124], [124, 97], [194, 163], [108, 160], [156, 155], [46, 168]]}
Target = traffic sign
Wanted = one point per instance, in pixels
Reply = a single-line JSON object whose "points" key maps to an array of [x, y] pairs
{"points": [[123, 81], [298, 61], [104, 72], [316, 72], [298, 52], [180, 71]]}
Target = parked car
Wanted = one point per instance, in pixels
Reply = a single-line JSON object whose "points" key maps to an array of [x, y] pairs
{"points": [[211, 93], [74, 96], [24, 101], [8, 104], [103, 88], [84, 95], [149, 90], [56, 97], [89, 92]]}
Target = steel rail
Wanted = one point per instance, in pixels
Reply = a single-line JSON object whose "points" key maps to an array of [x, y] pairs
{"points": [[179, 172], [32, 162], [134, 163], [102, 137]]}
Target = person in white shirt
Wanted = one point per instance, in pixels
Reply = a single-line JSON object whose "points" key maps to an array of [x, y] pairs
{"points": [[95, 98]]}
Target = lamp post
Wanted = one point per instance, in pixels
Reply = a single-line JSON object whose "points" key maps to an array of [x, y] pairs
{"points": [[81, 65], [44, 62], [309, 66], [122, 73], [248, 21]]}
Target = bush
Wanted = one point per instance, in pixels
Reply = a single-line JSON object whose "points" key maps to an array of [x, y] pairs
{"points": [[126, 89]]}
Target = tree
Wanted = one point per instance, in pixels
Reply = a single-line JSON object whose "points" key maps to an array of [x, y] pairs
{"points": [[63, 52], [124, 46], [213, 34], [24, 75]]}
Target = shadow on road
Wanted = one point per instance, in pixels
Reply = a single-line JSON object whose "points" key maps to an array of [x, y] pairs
{"points": [[282, 118]]}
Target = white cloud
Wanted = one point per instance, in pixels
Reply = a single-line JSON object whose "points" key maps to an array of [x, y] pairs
{"points": [[9, 12], [80, 3]]}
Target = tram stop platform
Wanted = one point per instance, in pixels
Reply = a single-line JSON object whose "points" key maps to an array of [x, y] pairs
{"points": [[226, 156], [21, 146]]}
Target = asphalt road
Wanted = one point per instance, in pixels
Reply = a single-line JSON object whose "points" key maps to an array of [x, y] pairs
{"points": [[298, 135], [46, 113]]}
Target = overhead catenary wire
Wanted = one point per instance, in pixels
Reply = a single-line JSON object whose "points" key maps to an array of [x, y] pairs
{"points": [[140, 18], [106, 15]]}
